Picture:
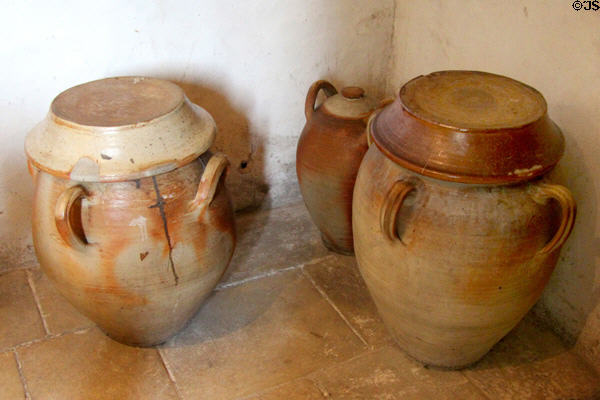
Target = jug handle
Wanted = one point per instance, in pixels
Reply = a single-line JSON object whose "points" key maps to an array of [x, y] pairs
{"points": [[541, 193], [62, 216], [209, 181], [391, 207], [311, 96], [382, 104]]}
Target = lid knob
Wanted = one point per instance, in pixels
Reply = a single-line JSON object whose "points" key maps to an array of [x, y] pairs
{"points": [[353, 92]]}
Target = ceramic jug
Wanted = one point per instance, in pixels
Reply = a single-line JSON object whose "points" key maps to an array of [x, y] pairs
{"points": [[330, 149]]}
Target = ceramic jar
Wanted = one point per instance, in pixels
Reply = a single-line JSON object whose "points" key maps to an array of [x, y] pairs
{"points": [[330, 149], [456, 228], [131, 218]]}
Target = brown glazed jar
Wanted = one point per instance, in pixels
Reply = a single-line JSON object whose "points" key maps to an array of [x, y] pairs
{"points": [[330, 149], [131, 218], [456, 229]]}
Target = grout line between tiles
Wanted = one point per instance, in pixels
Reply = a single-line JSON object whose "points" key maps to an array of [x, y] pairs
{"points": [[317, 260], [271, 388], [472, 382], [20, 268], [45, 338], [37, 301], [332, 304], [255, 277], [169, 373], [309, 376], [228, 285], [322, 389], [21, 375]]}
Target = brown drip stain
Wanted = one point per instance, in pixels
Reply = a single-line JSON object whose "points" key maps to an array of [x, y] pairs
{"points": [[544, 272], [199, 242], [217, 217], [201, 230], [520, 265], [108, 261], [221, 210], [143, 255], [110, 216], [157, 233], [482, 284]]}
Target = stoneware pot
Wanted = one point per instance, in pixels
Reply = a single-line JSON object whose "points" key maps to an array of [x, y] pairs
{"points": [[456, 229], [131, 218], [330, 149]]}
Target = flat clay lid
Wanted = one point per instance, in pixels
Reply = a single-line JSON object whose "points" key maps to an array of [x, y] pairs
{"points": [[117, 102], [119, 129], [470, 127]]}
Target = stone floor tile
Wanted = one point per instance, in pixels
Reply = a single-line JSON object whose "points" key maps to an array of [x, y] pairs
{"points": [[299, 389], [11, 386], [258, 335], [89, 365], [271, 338], [272, 240], [59, 314], [387, 373], [339, 278], [20, 320], [531, 362]]}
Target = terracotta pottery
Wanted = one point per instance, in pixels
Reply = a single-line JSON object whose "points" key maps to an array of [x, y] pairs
{"points": [[329, 153], [457, 230], [131, 218]]}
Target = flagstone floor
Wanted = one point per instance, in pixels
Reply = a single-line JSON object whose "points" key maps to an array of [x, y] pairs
{"points": [[289, 320]]}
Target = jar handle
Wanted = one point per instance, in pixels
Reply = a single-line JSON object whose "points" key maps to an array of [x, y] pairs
{"points": [[63, 214], [32, 170], [382, 105], [209, 181], [391, 207], [541, 193], [311, 96]]}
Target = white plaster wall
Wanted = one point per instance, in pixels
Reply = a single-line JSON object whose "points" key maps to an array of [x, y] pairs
{"points": [[556, 49], [249, 63]]}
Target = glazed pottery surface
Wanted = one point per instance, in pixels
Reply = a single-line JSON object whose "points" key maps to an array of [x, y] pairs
{"points": [[116, 129], [329, 152], [454, 265], [470, 127], [137, 256]]}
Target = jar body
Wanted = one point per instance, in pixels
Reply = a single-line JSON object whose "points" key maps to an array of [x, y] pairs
{"points": [[328, 156], [145, 257], [464, 262]]}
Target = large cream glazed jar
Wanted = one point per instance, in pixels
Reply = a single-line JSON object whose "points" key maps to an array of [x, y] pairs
{"points": [[131, 218], [456, 227]]}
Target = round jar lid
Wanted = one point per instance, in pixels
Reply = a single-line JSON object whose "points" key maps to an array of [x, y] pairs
{"points": [[118, 129], [470, 127], [350, 103]]}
